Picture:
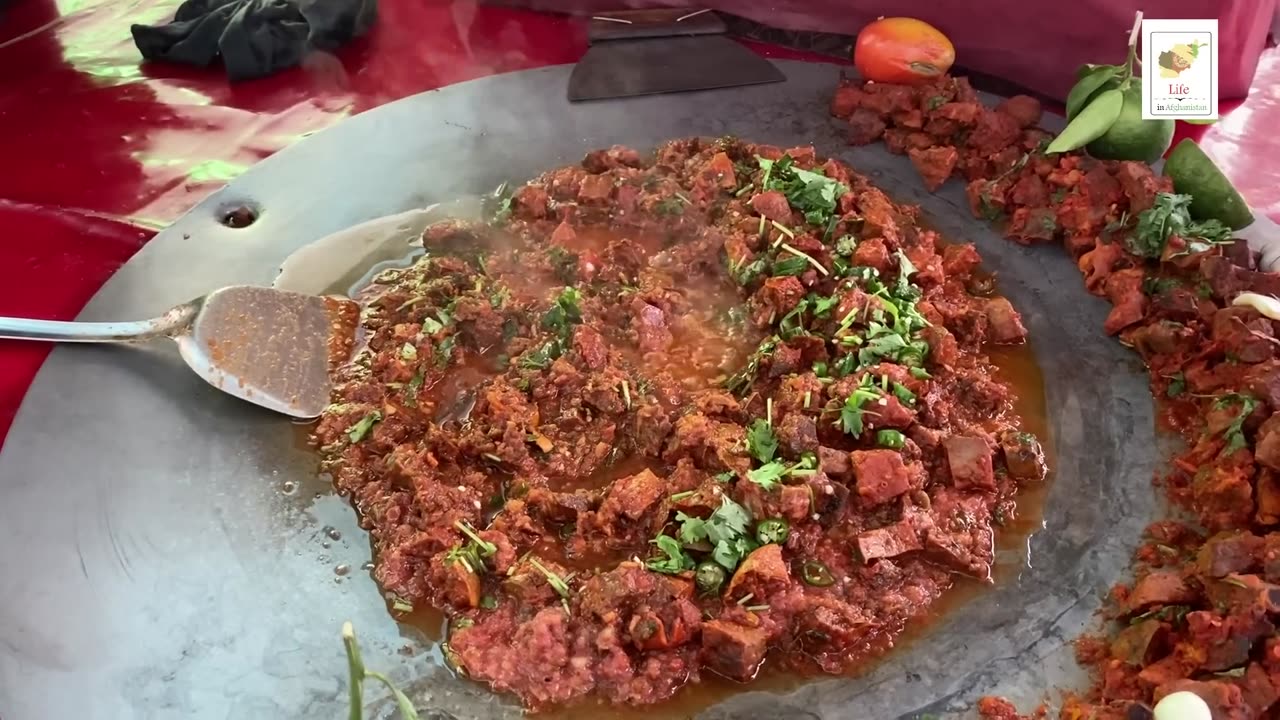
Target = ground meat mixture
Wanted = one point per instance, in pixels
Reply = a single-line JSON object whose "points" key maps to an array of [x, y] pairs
{"points": [[1201, 614], [700, 412]]}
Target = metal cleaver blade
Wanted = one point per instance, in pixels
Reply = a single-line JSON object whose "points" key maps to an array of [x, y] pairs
{"points": [[648, 66]]}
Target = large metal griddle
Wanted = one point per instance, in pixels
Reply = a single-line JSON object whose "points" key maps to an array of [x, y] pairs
{"points": [[154, 563]]}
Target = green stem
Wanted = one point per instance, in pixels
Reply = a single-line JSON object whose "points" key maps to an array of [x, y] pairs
{"points": [[407, 711], [355, 669]]}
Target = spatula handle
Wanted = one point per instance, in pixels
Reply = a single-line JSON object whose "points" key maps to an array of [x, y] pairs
{"points": [[169, 324]]}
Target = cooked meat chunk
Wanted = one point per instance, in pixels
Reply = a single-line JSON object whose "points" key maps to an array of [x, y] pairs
{"points": [[1022, 108], [881, 475], [798, 434], [887, 542], [772, 205], [760, 574], [1023, 456], [865, 127], [969, 459], [1229, 552], [934, 164], [733, 650], [1004, 324], [1162, 587]]}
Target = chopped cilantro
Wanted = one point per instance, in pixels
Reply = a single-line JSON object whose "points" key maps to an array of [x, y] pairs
{"points": [[741, 381], [904, 288], [411, 390], [541, 357], [362, 428], [822, 307], [746, 273], [669, 206], [565, 312], [499, 297], [789, 265], [1169, 216], [431, 326], [1159, 285], [987, 206], [1177, 385], [812, 193], [444, 351], [557, 583], [1234, 432], [564, 263], [725, 530], [769, 475], [674, 559], [761, 442], [851, 414]]}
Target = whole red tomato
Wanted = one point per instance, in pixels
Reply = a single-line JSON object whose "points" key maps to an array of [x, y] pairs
{"points": [[902, 50]]}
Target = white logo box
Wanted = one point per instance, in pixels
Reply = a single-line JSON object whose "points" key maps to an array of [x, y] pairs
{"points": [[1180, 69]]}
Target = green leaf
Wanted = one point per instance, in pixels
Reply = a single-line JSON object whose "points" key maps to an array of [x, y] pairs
{"points": [[692, 529], [1171, 215], [362, 428], [1177, 385], [444, 351], [413, 387], [675, 559], [761, 442], [822, 307], [566, 311], [746, 273], [812, 193], [1234, 433], [1093, 121], [729, 553], [431, 326], [769, 475], [730, 519], [789, 265], [1088, 86]]}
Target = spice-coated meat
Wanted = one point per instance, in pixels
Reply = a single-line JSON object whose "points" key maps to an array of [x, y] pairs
{"points": [[670, 415]]}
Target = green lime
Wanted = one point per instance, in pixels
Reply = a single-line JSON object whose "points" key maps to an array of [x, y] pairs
{"points": [[1131, 137], [1212, 195]]}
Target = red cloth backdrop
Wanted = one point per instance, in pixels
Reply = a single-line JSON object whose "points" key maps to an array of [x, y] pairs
{"points": [[1026, 41]]}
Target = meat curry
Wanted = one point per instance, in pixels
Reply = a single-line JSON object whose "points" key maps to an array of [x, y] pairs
{"points": [[665, 416]]}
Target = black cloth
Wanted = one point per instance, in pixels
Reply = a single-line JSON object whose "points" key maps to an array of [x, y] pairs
{"points": [[254, 37]]}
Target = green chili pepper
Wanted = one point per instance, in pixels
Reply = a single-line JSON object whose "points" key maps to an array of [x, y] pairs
{"points": [[709, 576], [890, 439], [816, 574], [773, 530]]}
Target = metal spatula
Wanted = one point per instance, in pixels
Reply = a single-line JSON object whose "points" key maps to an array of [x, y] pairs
{"points": [[271, 347]]}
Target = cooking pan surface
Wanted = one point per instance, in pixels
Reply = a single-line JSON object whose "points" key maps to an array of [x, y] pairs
{"points": [[170, 553]]}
